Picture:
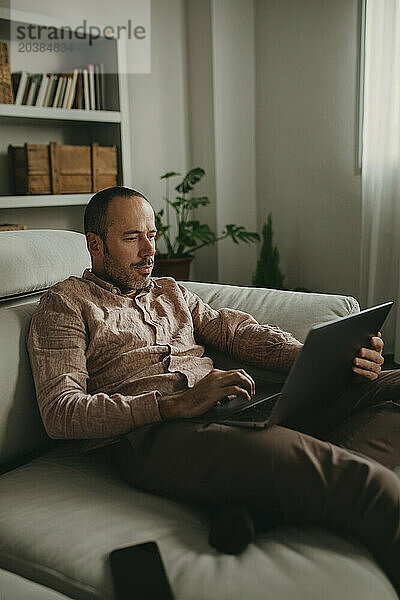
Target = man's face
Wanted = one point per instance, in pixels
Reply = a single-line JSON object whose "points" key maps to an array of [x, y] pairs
{"points": [[128, 254]]}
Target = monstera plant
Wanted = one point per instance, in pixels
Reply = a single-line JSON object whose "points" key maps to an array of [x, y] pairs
{"points": [[190, 234]]}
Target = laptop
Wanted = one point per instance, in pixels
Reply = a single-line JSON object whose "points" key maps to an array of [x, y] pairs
{"points": [[322, 370]]}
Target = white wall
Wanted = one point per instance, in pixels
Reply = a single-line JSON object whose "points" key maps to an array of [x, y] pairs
{"points": [[234, 115], [281, 129], [158, 116], [199, 47], [306, 114]]}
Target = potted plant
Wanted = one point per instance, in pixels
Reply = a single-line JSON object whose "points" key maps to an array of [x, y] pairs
{"points": [[268, 273], [191, 235]]}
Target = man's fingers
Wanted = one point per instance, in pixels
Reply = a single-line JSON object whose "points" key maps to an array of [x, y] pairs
{"points": [[250, 379], [236, 390], [367, 374], [241, 377], [367, 365], [372, 355], [219, 382], [377, 343]]}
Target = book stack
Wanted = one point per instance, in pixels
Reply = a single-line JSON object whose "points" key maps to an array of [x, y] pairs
{"points": [[80, 88]]}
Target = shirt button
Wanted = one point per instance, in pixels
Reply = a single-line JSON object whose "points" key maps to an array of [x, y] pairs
{"points": [[114, 291]]}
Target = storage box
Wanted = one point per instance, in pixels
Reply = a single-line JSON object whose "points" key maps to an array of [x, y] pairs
{"points": [[104, 167], [30, 169], [71, 169], [62, 169]]}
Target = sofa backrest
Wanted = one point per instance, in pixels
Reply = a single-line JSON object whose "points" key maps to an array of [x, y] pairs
{"points": [[30, 262]]}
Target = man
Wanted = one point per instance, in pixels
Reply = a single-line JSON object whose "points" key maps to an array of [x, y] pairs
{"points": [[117, 359]]}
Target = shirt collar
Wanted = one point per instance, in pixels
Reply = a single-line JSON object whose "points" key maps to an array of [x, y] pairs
{"points": [[88, 274]]}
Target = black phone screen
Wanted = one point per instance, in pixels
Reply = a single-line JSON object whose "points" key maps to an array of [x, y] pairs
{"points": [[138, 572]]}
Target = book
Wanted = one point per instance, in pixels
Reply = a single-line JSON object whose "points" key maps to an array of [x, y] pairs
{"points": [[92, 92], [62, 91], [72, 91], [21, 87], [29, 95], [86, 88], [97, 86], [33, 89], [58, 91], [47, 91], [15, 79], [26, 90], [67, 89], [102, 87], [52, 89], [78, 101], [42, 90]]}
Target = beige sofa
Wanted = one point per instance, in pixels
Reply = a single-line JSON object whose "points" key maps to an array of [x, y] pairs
{"points": [[61, 512]]}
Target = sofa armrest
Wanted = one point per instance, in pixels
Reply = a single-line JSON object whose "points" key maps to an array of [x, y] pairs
{"points": [[295, 312]]}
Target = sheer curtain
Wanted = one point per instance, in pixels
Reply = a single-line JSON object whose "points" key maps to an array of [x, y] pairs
{"points": [[380, 264]]}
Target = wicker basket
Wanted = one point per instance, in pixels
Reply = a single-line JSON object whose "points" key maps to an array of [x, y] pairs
{"points": [[6, 90]]}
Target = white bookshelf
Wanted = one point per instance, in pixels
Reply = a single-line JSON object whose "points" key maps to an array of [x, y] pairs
{"points": [[40, 125], [59, 114], [44, 200]]}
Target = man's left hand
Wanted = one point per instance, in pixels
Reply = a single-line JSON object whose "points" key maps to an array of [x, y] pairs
{"points": [[369, 361]]}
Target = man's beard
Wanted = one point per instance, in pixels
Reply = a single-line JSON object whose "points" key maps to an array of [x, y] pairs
{"points": [[124, 276]]}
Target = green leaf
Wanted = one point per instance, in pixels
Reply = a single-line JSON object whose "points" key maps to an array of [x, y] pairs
{"points": [[182, 201], [178, 204], [238, 234], [200, 201], [192, 232], [169, 174], [190, 180]]}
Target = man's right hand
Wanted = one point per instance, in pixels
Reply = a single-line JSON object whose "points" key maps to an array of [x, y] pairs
{"points": [[206, 393]]}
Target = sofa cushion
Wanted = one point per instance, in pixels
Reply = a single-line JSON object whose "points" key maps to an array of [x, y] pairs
{"points": [[15, 587], [63, 513], [35, 259]]}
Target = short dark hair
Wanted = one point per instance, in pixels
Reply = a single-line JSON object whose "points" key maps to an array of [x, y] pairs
{"points": [[95, 219]]}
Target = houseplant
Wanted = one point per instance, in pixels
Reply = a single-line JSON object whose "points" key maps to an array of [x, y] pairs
{"points": [[268, 273], [190, 234]]}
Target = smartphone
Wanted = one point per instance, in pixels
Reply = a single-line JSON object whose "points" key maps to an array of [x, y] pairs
{"points": [[138, 572]]}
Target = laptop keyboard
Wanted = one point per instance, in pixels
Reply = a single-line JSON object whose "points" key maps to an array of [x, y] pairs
{"points": [[259, 412]]}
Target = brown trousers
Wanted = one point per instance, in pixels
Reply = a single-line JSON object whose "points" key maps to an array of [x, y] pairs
{"points": [[339, 477]]}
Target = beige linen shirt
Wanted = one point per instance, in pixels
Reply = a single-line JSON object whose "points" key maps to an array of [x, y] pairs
{"points": [[101, 359]]}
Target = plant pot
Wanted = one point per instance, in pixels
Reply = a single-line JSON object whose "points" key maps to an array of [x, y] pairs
{"points": [[178, 268]]}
